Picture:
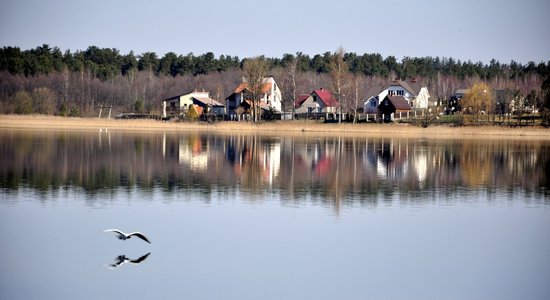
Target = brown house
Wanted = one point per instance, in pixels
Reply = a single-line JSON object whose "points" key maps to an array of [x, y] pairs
{"points": [[392, 105]]}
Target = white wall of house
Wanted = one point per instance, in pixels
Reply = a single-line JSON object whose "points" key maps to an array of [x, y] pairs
{"points": [[422, 99], [274, 96], [419, 101], [309, 106], [370, 106]]}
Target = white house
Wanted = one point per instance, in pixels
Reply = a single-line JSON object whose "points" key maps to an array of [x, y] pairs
{"points": [[271, 98], [178, 105], [416, 94]]}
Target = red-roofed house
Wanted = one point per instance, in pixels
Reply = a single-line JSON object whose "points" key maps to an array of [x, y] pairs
{"points": [[319, 101], [271, 97]]}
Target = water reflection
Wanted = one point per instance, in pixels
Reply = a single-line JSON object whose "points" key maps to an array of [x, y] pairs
{"points": [[122, 259], [335, 168]]}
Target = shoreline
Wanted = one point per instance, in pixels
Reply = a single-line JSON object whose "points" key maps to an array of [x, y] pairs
{"points": [[301, 127]]}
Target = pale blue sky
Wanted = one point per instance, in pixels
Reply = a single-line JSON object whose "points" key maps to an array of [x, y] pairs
{"points": [[476, 30]]}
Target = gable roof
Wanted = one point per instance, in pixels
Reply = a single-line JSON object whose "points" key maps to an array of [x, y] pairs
{"points": [[399, 102], [266, 87], [208, 101], [413, 87], [326, 97], [300, 100], [185, 94]]}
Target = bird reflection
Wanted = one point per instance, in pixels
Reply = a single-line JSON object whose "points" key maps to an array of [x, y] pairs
{"points": [[122, 259]]}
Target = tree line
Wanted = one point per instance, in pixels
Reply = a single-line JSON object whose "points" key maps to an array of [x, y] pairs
{"points": [[47, 80], [106, 63]]}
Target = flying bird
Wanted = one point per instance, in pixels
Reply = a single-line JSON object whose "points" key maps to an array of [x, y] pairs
{"points": [[122, 259], [123, 236]]}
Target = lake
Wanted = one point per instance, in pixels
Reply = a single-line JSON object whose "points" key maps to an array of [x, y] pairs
{"points": [[234, 216]]}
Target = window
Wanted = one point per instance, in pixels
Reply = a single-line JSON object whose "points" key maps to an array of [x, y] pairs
{"points": [[400, 93]]}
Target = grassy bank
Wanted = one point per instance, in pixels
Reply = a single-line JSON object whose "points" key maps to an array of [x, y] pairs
{"points": [[280, 127]]}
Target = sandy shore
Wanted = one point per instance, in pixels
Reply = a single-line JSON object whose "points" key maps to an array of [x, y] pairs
{"points": [[280, 127]]}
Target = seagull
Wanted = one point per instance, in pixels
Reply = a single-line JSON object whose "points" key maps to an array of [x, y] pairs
{"points": [[122, 259], [124, 236]]}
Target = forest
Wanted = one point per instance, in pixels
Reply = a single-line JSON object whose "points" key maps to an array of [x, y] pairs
{"points": [[45, 80]]}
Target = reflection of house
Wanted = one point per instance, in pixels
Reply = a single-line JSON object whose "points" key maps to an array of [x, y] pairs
{"points": [[180, 104], [194, 153], [392, 105], [271, 97], [392, 160], [271, 162], [414, 93], [319, 101]]}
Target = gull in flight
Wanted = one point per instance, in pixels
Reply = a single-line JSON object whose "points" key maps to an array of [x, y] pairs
{"points": [[124, 236], [122, 259]]}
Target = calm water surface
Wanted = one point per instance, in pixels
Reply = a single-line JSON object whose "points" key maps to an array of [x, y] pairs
{"points": [[272, 217]]}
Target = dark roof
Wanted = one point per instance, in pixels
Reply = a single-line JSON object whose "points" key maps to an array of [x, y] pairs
{"points": [[326, 97], [413, 87], [399, 102]]}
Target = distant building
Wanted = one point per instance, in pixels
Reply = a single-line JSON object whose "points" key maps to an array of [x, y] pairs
{"points": [[180, 104], [392, 105], [318, 101], [271, 97], [412, 91]]}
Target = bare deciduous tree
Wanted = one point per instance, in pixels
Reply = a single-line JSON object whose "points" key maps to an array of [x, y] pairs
{"points": [[255, 70], [291, 69], [339, 72]]}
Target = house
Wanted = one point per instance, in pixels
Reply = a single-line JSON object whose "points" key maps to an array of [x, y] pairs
{"points": [[453, 104], [392, 105], [212, 106], [180, 104], [318, 101], [370, 106], [415, 93], [271, 97]]}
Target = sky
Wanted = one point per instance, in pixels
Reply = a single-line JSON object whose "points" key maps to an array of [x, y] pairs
{"points": [[476, 30]]}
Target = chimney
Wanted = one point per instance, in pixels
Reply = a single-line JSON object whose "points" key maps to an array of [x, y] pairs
{"points": [[413, 79]]}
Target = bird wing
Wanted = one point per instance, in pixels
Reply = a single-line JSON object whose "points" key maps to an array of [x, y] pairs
{"points": [[142, 258], [140, 235], [119, 260], [114, 230]]}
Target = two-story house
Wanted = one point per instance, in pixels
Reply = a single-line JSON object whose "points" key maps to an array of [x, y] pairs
{"points": [[271, 97], [415, 94]]}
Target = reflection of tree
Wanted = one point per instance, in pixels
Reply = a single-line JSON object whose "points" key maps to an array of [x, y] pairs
{"points": [[476, 165], [331, 169]]}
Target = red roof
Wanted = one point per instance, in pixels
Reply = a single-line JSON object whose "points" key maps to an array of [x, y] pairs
{"points": [[300, 100], [327, 98], [266, 87]]}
